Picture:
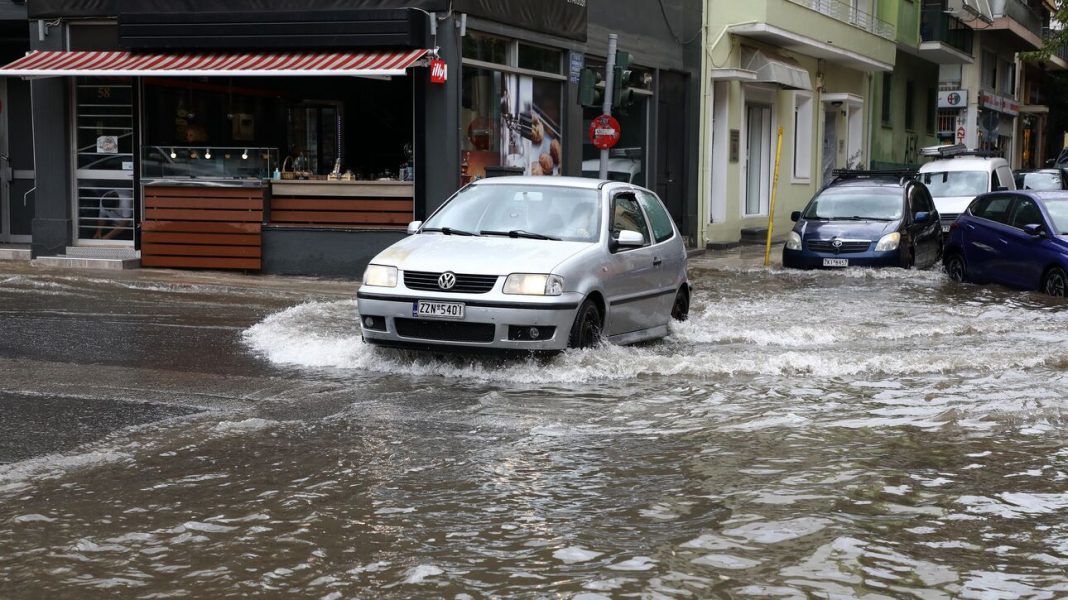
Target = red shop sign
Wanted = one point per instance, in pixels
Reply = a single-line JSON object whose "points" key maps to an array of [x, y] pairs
{"points": [[439, 73], [604, 132]]}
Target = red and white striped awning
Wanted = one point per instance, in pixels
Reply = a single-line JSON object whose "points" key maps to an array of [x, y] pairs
{"points": [[128, 64]]}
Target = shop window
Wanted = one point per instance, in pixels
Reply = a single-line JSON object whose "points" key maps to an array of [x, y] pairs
{"points": [[802, 135], [486, 48], [537, 58], [512, 121], [989, 77]]}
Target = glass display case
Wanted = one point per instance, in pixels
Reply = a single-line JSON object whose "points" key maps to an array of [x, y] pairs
{"points": [[204, 162]]}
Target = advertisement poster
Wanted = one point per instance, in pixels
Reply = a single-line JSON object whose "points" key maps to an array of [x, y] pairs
{"points": [[530, 125]]}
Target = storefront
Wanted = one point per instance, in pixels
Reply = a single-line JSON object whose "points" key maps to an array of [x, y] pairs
{"points": [[302, 137]]}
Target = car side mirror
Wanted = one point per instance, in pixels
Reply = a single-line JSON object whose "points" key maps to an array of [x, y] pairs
{"points": [[1050, 162], [1035, 229], [922, 217], [629, 239], [795, 216], [413, 227]]}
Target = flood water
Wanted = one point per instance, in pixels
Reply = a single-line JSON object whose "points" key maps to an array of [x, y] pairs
{"points": [[850, 434]]}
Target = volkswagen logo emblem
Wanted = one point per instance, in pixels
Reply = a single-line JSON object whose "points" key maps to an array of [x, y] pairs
{"points": [[446, 280]]}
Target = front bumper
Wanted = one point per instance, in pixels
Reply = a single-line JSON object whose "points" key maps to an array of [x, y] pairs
{"points": [[807, 259], [488, 324]]}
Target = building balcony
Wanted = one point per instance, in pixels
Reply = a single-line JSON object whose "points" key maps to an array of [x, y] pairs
{"points": [[831, 30], [1022, 24], [944, 39], [1058, 59], [846, 12]]}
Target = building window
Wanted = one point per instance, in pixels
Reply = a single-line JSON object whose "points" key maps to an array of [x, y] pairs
{"points": [[512, 107], [802, 135], [887, 98], [989, 70], [910, 105]]}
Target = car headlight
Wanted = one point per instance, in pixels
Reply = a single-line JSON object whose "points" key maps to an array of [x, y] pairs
{"points": [[380, 276], [531, 284], [888, 242], [793, 241]]}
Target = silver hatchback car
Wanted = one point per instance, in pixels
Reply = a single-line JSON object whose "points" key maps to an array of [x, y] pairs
{"points": [[530, 263]]}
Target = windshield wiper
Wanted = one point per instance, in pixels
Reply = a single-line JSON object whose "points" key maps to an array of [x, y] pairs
{"points": [[855, 218], [450, 231], [519, 233]]}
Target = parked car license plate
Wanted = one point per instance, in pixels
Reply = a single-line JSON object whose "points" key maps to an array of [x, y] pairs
{"points": [[945, 229], [438, 310], [836, 262]]}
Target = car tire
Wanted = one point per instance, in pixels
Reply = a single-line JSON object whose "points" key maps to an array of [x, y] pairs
{"points": [[956, 269], [680, 309], [586, 330], [1055, 282]]}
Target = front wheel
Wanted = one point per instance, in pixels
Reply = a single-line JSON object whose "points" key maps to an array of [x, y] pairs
{"points": [[955, 268], [586, 331], [680, 310], [1055, 282]]}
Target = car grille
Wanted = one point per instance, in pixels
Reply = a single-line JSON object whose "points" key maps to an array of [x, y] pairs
{"points": [[948, 217], [465, 284], [445, 331], [847, 247]]}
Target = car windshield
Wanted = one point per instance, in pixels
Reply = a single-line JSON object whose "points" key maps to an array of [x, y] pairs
{"points": [[536, 211], [1058, 212], [1041, 181], [857, 203], [945, 184]]}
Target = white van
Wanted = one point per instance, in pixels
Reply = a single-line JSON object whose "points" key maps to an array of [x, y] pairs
{"points": [[958, 175]]}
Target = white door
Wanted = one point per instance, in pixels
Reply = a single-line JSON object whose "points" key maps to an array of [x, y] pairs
{"points": [[757, 158]]}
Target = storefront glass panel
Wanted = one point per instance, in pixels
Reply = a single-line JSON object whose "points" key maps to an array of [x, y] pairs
{"points": [[104, 159], [511, 121]]}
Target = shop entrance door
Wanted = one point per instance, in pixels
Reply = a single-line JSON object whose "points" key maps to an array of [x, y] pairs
{"points": [[757, 159], [830, 144], [104, 118], [16, 162]]}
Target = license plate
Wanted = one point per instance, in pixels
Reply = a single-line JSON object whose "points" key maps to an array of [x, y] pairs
{"points": [[945, 229], [438, 310], [836, 262]]}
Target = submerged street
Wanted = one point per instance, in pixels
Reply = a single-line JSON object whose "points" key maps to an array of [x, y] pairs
{"points": [[857, 433]]}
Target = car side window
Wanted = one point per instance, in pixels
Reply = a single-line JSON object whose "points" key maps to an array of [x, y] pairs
{"points": [[627, 214], [659, 218], [1025, 212], [993, 208]]}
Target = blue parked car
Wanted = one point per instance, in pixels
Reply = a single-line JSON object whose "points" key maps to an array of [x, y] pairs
{"points": [[1019, 239], [866, 219]]}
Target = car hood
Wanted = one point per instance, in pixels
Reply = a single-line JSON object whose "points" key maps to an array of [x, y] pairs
{"points": [[846, 230], [477, 255], [952, 205]]}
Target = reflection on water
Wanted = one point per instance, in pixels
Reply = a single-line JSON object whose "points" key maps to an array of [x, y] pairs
{"points": [[878, 434]]}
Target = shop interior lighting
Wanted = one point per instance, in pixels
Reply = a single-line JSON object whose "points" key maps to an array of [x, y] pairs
{"points": [[207, 153], [244, 155], [173, 153]]}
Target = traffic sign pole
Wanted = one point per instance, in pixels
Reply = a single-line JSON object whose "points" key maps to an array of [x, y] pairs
{"points": [[609, 75]]}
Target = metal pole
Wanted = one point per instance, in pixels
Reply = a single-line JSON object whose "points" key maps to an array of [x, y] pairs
{"points": [[774, 188], [609, 75]]}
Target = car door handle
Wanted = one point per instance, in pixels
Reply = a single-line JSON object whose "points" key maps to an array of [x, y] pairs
{"points": [[657, 262]]}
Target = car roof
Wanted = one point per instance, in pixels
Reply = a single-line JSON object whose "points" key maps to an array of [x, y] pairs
{"points": [[963, 163], [583, 183], [1047, 171], [873, 181]]}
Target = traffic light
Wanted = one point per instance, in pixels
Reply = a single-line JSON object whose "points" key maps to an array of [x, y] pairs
{"points": [[591, 88], [621, 75]]}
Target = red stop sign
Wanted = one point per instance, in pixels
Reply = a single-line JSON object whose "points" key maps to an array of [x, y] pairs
{"points": [[604, 132]]}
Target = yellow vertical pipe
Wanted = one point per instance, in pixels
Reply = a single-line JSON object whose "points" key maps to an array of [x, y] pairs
{"points": [[774, 188]]}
